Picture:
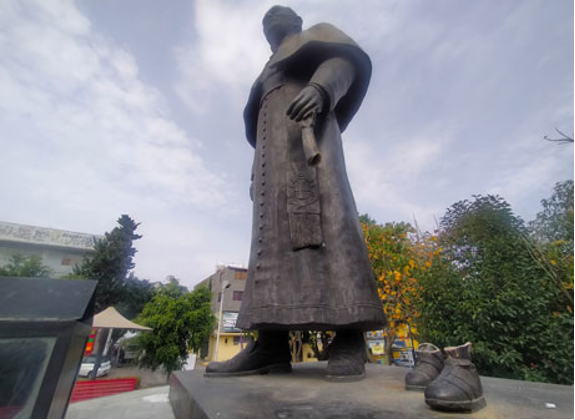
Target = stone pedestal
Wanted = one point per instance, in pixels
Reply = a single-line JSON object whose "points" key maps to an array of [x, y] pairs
{"points": [[305, 394]]}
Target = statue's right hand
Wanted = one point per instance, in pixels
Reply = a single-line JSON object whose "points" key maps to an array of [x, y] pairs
{"points": [[307, 102]]}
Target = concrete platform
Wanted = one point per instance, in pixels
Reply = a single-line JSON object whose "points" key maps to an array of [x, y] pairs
{"points": [[305, 394]]}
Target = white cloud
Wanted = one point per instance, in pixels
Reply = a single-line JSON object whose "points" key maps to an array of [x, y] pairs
{"points": [[390, 178], [520, 181], [228, 49], [72, 91], [526, 165], [84, 139], [225, 54]]}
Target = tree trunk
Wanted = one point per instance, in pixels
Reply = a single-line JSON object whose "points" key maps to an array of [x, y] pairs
{"points": [[101, 337], [370, 357], [389, 337], [296, 346]]}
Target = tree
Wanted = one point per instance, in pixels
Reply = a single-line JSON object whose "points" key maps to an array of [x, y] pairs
{"points": [[365, 219], [181, 322], [483, 286], [111, 263], [552, 233], [134, 296], [397, 262], [173, 287], [564, 139], [25, 266], [554, 224]]}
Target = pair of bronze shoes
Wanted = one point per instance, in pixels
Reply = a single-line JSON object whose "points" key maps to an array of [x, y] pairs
{"points": [[271, 354], [450, 382]]}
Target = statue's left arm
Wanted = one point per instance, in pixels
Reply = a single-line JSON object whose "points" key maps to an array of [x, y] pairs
{"points": [[327, 86]]}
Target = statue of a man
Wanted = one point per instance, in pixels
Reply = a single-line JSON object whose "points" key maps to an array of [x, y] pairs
{"points": [[308, 268]]}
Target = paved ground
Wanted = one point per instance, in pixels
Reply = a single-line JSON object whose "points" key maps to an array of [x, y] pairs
{"points": [[151, 403]]}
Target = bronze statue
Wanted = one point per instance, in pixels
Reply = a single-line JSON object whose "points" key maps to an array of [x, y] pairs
{"points": [[308, 268]]}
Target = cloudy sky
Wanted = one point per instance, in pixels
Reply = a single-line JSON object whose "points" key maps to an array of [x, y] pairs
{"points": [[134, 106]]}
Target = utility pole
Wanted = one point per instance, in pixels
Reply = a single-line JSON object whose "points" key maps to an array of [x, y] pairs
{"points": [[225, 284]]}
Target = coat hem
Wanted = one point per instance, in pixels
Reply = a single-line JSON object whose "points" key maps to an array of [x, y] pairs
{"points": [[364, 317]]}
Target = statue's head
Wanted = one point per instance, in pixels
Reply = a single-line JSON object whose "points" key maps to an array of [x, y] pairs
{"points": [[279, 22]]}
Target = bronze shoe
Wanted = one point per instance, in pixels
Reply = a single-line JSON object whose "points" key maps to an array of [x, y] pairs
{"points": [[458, 387], [429, 364], [270, 353]]}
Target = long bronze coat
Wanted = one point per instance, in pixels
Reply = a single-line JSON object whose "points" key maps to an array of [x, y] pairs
{"points": [[308, 267]]}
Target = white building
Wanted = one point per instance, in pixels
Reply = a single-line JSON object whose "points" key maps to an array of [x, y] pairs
{"points": [[60, 249]]}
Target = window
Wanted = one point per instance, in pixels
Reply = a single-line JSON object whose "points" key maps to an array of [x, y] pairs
{"points": [[220, 297], [236, 341], [66, 261], [24, 360], [241, 274], [238, 295]]}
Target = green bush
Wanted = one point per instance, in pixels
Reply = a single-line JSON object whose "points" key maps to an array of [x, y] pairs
{"points": [[181, 322], [486, 287]]}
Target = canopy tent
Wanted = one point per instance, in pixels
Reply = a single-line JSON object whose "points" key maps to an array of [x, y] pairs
{"points": [[111, 318]]}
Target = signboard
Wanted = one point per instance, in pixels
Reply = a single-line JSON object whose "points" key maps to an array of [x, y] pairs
{"points": [[90, 343], [229, 322], [375, 335], [376, 346], [46, 236]]}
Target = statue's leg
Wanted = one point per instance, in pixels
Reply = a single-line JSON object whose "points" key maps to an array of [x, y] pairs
{"points": [[269, 353], [347, 357]]}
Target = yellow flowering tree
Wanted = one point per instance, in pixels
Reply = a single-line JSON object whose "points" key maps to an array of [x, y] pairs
{"points": [[398, 257]]}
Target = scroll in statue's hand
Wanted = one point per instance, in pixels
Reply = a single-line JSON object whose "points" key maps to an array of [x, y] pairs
{"points": [[306, 103]]}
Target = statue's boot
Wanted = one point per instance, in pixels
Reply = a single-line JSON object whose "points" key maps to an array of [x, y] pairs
{"points": [[428, 366], [269, 353], [458, 387], [347, 357]]}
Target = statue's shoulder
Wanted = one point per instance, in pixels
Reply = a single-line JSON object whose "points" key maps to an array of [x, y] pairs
{"points": [[323, 29], [322, 35], [326, 32]]}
